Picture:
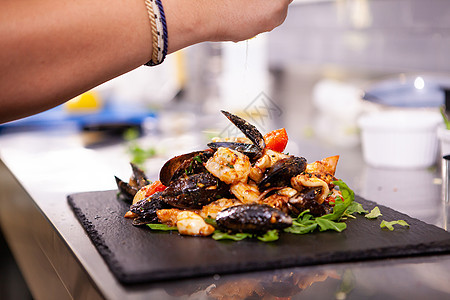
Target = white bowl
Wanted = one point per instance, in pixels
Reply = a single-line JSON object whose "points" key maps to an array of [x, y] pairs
{"points": [[400, 138]]}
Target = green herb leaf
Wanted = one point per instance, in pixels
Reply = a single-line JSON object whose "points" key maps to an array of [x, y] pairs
{"points": [[269, 236], [163, 227], [325, 224], [356, 207], [341, 205], [374, 213], [219, 235], [390, 225], [301, 229], [211, 221]]}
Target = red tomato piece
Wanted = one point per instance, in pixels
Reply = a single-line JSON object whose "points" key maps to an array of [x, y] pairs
{"points": [[155, 187], [276, 140]]}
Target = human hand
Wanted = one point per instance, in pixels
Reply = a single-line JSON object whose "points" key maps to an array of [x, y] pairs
{"points": [[194, 21]]}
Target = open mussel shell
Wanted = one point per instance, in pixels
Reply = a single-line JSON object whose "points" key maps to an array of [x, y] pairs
{"points": [[126, 190], [282, 171], [252, 218], [178, 165], [249, 130], [139, 176], [250, 150]]}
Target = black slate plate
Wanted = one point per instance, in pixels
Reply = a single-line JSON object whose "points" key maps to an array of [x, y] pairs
{"points": [[137, 255]]}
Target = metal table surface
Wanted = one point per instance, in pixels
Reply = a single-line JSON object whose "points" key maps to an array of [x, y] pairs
{"points": [[39, 168]]}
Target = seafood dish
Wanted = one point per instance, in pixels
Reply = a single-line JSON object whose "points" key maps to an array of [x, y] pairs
{"points": [[237, 185]]}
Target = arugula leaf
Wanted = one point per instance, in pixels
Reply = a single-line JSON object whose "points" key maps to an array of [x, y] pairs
{"points": [[341, 205], [374, 213], [161, 227], [355, 207], [219, 235], [269, 236], [301, 229], [390, 225], [325, 224]]}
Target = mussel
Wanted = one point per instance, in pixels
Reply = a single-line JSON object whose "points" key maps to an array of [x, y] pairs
{"points": [[126, 191], [185, 164], [146, 209], [249, 130], [194, 191], [252, 218], [137, 181], [139, 178], [250, 150], [282, 171]]}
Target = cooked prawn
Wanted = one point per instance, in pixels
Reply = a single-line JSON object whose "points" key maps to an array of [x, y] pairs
{"points": [[168, 216], [190, 223], [229, 166], [211, 210], [247, 193]]}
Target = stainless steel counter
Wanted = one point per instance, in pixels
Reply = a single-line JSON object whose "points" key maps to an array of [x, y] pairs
{"points": [[58, 260], [40, 168]]}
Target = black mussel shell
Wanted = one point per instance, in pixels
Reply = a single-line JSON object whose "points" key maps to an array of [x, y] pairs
{"points": [[252, 218], [126, 190], [181, 164], [146, 209], [250, 150], [194, 191], [280, 174], [247, 129], [139, 176]]}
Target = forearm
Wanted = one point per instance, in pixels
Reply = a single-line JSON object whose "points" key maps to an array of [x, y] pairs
{"points": [[53, 50]]}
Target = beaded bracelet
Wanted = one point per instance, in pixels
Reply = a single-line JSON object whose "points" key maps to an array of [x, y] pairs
{"points": [[159, 31]]}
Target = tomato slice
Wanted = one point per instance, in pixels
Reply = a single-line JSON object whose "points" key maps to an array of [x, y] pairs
{"points": [[276, 140], [155, 187]]}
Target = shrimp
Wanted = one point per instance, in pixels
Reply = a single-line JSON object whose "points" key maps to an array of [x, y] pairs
{"points": [[211, 210], [247, 193], [168, 216], [190, 223], [228, 165]]}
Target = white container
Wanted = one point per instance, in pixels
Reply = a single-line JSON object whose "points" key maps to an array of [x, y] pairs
{"points": [[400, 138]]}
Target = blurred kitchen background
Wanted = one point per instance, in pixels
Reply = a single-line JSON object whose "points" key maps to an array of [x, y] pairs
{"points": [[328, 64]]}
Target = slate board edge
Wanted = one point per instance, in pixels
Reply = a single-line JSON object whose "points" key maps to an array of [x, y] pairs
{"points": [[99, 243]]}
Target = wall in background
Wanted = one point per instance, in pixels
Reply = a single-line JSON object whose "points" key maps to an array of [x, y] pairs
{"points": [[374, 35]]}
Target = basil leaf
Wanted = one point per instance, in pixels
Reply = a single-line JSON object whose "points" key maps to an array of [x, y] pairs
{"points": [[161, 227], [269, 236], [325, 224], [390, 225], [374, 213]]}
